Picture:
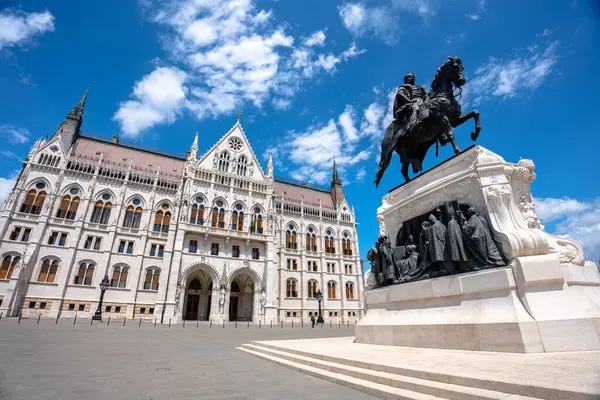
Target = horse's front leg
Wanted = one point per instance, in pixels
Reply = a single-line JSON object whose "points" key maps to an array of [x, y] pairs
{"points": [[447, 128], [465, 117]]}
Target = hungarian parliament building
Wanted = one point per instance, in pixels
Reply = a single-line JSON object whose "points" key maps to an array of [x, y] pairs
{"points": [[206, 237]]}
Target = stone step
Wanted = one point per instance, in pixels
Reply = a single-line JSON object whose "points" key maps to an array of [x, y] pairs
{"points": [[471, 381], [365, 386], [426, 387]]}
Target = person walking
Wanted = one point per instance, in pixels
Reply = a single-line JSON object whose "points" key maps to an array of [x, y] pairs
{"points": [[312, 320]]}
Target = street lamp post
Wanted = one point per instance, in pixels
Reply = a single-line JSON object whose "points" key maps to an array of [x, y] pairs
{"points": [[103, 286], [320, 299]]}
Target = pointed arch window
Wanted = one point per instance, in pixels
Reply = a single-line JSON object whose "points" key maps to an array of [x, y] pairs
{"points": [[101, 212], [152, 278], [197, 212], [329, 242], [312, 289], [84, 275], [48, 271], [242, 165], [237, 218], [119, 277], [346, 245], [291, 288], [291, 238], [223, 164], [162, 219], [349, 290], [256, 222], [311, 240], [218, 215], [68, 207], [34, 201], [331, 290], [137, 218], [8, 266]]}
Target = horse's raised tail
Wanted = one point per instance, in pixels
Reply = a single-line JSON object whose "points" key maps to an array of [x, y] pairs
{"points": [[387, 150]]}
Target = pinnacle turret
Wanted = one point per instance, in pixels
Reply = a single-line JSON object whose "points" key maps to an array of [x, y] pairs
{"points": [[335, 178], [270, 167]]}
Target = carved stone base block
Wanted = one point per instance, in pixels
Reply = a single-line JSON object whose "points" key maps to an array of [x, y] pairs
{"points": [[546, 298]]}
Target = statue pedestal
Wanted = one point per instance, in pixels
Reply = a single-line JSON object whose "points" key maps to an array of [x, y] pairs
{"points": [[545, 299]]}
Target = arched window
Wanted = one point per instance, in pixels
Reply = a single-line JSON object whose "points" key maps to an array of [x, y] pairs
{"points": [[197, 212], [152, 278], [128, 220], [256, 222], [329, 242], [312, 289], [8, 266], [237, 218], [290, 288], [48, 271], [218, 215], [101, 212], [196, 285], [85, 274], [346, 245], [291, 238], [331, 290], [224, 161], [137, 218], [119, 277], [242, 165], [162, 219], [34, 201], [349, 290], [311, 239], [64, 206]]}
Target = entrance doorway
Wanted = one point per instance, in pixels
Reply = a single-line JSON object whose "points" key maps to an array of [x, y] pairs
{"points": [[241, 298], [197, 299], [233, 302], [192, 300]]}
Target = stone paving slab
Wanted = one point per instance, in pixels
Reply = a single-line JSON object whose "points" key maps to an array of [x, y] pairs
{"points": [[66, 361]]}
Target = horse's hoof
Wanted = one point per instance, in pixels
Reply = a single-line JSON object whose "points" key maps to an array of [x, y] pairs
{"points": [[474, 135], [457, 151]]}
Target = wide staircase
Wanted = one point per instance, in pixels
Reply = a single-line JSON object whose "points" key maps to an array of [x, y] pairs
{"points": [[396, 382]]}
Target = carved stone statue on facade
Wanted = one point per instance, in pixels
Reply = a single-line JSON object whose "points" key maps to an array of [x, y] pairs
{"points": [[263, 301], [222, 300], [408, 265], [455, 250], [382, 261], [424, 119], [478, 240]]}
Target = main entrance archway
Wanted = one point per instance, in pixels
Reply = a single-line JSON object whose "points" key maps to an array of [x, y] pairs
{"points": [[241, 298], [198, 296]]}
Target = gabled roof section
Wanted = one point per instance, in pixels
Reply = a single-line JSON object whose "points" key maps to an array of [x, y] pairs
{"points": [[206, 160], [290, 190]]}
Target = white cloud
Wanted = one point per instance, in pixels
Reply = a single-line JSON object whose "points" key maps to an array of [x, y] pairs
{"points": [[157, 98], [13, 134], [510, 78], [423, 8], [316, 39], [545, 32], [476, 16], [310, 153], [18, 28], [9, 154], [6, 185], [454, 38], [380, 22], [231, 53], [360, 175], [575, 219]]}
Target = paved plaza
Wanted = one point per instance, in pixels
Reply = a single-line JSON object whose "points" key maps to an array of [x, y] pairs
{"points": [[66, 361]]}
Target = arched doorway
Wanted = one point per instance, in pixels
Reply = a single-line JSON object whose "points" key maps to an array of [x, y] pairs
{"points": [[241, 298], [198, 296]]}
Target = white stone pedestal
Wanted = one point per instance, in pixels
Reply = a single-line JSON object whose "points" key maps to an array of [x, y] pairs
{"points": [[545, 300]]}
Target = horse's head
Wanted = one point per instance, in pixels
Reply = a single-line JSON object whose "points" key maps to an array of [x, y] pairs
{"points": [[454, 71]]}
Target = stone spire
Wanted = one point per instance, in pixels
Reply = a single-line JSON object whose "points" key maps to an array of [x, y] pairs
{"points": [[335, 178], [69, 129], [270, 166], [193, 152], [337, 193]]}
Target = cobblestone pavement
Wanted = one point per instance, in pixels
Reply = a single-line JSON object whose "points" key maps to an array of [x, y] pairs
{"points": [[67, 361]]}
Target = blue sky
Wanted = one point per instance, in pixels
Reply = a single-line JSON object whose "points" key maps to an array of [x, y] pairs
{"points": [[313, 80]]}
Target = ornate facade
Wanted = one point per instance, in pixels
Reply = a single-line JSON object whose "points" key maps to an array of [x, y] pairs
{"points": [[198, 238]]}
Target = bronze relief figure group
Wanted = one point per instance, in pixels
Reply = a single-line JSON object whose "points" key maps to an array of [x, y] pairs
{"points": [[451, 239]]}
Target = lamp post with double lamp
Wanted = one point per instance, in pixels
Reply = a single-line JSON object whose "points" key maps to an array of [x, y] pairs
{"points": [[103, 286], [320, 299]]}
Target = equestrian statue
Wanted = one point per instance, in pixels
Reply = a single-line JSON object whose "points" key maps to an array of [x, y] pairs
{"points": [[423, 119]]}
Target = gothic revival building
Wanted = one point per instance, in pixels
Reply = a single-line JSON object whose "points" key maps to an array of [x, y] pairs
{"points": [[209, 236]]}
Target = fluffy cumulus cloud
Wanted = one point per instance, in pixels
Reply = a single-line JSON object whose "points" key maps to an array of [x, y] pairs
{"points": [[157, 98], [231, 53], [6, 185], [13, 134], [18, 28], [476, 15], [575, 219], [383, 20], [512, 77], [349, 138]]}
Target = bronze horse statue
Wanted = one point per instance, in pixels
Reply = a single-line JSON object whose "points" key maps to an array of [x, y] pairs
{"points": [[436, 116]]}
